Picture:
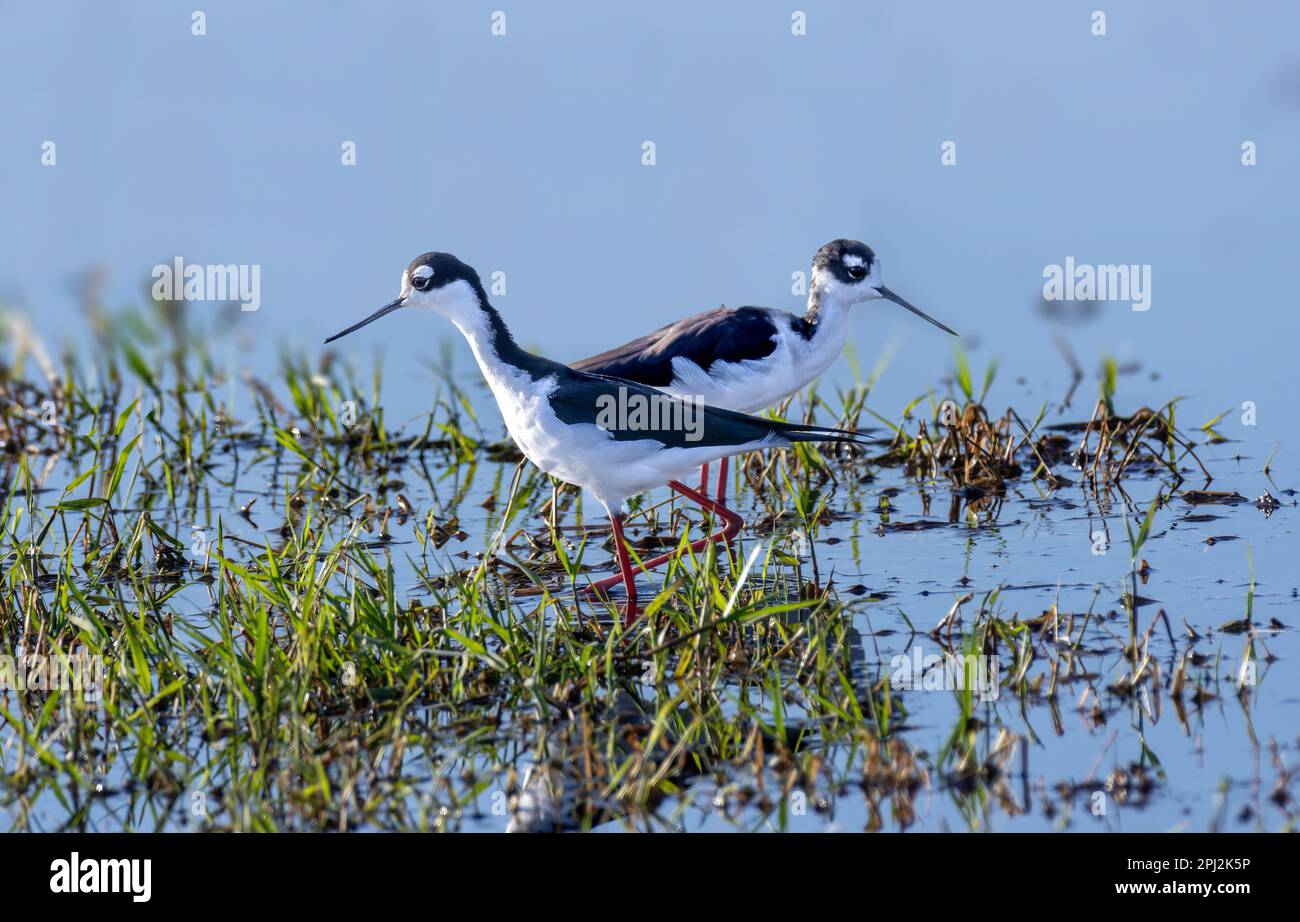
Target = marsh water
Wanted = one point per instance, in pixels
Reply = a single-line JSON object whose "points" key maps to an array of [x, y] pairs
{"points": [[523, 155], [1218, 763], [897, 551]]}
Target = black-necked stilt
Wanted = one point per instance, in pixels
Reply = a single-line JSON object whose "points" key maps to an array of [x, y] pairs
{"points": [[552, 413], [751, 358]]}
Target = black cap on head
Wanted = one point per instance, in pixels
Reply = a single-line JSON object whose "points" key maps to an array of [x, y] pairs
{"points": [[434, 270], [840, 256]]}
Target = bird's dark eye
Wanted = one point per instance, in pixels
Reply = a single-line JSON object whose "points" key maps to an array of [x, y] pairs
{"points": [[857, 273], [422, 282]]}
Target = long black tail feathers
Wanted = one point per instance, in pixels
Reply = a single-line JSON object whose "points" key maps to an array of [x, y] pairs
{"points": [[795, 432]]}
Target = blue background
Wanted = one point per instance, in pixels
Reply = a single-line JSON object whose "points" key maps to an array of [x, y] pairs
{"points": [[522, 153]]}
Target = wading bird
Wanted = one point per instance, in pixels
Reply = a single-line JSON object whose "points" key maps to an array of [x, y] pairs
{"points": [[750, 358], [552, 413]]}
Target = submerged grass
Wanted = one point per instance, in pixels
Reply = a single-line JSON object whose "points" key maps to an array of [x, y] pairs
{"points": [[287, 641]]}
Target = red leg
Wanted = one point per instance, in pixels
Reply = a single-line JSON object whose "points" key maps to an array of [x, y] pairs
{"points": [[625, 568], [704, 478], [722, 480], [730, 529]]}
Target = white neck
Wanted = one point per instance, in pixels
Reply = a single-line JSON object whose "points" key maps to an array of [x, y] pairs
{"points": [[829, 304], [478, 333], [460, 304], [829, 307]]}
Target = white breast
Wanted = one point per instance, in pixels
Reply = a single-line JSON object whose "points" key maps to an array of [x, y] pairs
{"points": [[586, 455]]}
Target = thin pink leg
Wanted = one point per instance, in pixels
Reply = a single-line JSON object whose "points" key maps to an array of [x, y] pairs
{"points": [[704, 477], [625, 568], [731, 528], [722, 480]]}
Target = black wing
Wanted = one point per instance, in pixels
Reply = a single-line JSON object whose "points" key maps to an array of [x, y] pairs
{"points": [[721, 335], [580, 397]]}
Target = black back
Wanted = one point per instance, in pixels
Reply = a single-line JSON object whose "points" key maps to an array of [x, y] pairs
{"points": [[721, 335]]}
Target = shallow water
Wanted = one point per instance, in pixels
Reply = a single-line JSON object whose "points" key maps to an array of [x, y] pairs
{"points": [[522, 154], [1212, 763]]}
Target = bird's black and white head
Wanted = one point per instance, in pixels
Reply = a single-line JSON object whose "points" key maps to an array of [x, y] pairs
{"points": [[439, 282], [847, 272]]}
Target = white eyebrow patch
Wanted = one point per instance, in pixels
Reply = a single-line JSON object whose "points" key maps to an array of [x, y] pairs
{"points": [[852, 260], [422, 272]]}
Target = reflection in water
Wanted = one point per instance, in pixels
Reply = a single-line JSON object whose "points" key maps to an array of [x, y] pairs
{"points": [[324, 641]]}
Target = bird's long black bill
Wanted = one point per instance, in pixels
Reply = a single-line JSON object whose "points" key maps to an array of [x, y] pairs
{"points": [[386, 309], [885, 292]]}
